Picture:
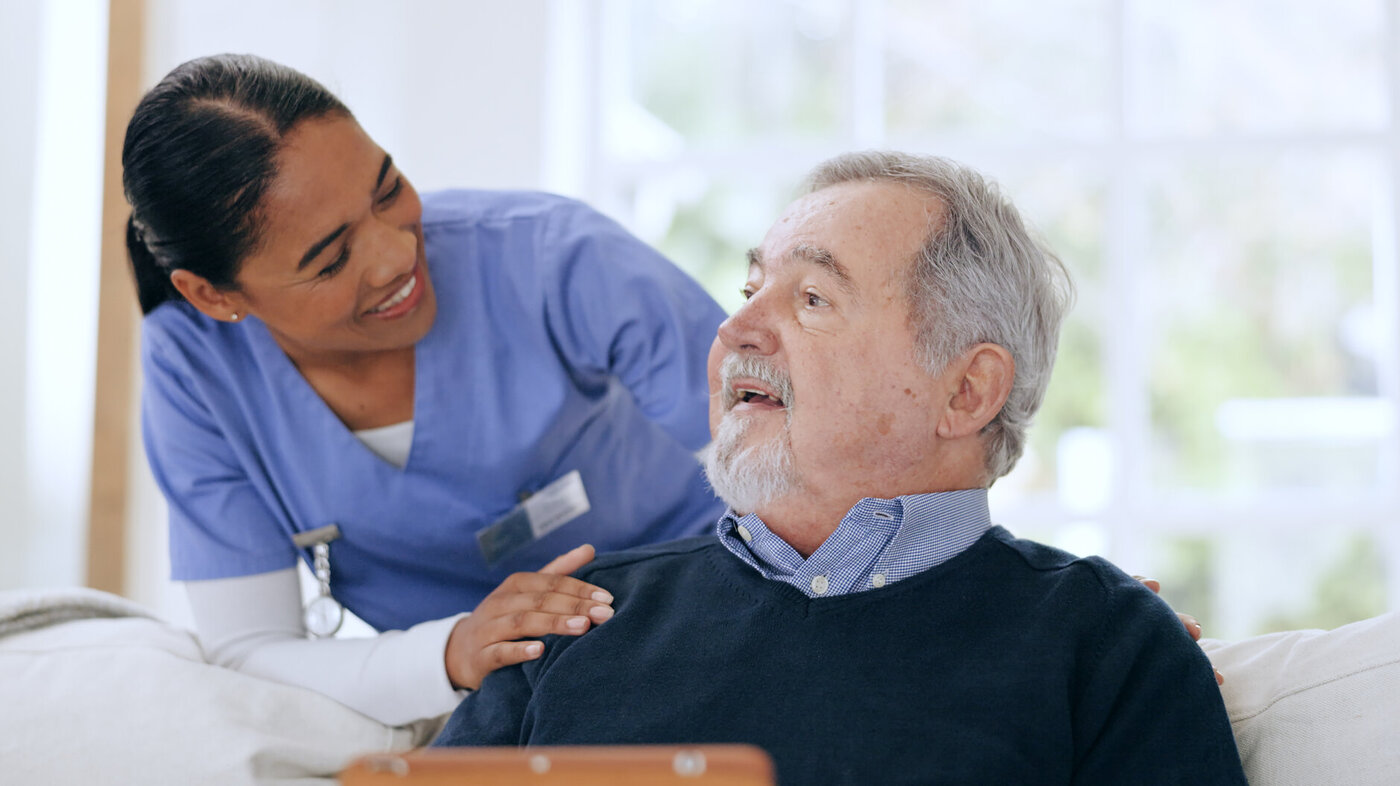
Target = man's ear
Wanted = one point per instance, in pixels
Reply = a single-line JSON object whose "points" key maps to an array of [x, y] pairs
{"points": [[982, 377], [221, 304]]}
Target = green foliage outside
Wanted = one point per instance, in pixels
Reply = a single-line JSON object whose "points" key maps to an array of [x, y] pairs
{"points": [[1351, 588]]}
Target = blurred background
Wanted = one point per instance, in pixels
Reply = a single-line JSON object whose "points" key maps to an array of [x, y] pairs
{"points": [[1220, 176]]}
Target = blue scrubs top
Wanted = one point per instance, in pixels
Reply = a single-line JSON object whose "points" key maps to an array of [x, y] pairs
{"points": [[561, 343]]}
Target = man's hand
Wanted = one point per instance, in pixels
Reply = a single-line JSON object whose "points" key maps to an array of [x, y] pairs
{"points": [[1189, 622], [523, 606]]}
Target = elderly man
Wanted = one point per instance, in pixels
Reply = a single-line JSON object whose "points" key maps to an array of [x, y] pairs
{"points": [[857, 615]]}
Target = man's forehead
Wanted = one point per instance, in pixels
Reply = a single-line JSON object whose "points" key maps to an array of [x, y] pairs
{"points": [[864, 200], [859, 230]]}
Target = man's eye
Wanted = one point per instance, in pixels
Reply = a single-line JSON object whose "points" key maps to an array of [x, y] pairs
{"points": [[815, 301], [746, 293]]}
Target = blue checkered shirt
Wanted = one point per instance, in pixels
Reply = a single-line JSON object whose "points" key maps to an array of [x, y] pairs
{"points": [[878, 542]]}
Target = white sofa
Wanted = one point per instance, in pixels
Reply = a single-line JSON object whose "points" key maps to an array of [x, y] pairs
{"points": [[1316, 707], [93, 689]]}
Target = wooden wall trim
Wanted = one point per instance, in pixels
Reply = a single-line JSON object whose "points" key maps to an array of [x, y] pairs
{"points": [[118, 316]]}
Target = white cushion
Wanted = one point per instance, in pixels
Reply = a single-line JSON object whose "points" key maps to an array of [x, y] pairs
{"points": [[131, 700], [1316, 707]]}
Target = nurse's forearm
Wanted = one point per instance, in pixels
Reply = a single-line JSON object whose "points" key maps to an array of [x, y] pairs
{"points": [[396, 677], [253, 624]]}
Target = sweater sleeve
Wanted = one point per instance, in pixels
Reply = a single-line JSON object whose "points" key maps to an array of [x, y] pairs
{"points": [[1148, 709], [494, 714]]}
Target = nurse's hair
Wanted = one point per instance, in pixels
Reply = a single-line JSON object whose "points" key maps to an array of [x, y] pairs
{"points": [[200, 152]]}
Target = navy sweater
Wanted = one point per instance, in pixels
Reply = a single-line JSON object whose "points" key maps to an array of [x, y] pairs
{"points": [[1011, 663]]}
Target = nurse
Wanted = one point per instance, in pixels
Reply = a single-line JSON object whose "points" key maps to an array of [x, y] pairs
{"points": [[464, 384]]}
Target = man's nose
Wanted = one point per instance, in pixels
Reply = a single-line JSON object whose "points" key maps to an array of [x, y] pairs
{"points": [[750, 328]]}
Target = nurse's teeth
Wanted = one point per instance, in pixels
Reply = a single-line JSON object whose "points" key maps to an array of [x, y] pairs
{"points": [[398, 297]]}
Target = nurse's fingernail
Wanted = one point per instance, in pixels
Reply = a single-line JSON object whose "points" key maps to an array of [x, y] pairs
{"points": [[601, 613], [602, 597], [576, 623]]}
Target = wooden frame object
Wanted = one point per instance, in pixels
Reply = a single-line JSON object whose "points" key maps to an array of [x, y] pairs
{"points": [[619, 765], [117, 319]]}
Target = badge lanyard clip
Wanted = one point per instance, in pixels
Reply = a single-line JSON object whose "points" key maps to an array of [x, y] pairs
{"points": [[323, 615]]}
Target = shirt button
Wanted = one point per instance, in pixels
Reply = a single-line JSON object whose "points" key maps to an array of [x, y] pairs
{"points": [[744, 534], [820, 584], [878, 580]]}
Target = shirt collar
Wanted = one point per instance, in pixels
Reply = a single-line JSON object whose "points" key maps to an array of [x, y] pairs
{"points": [[878, 542]]}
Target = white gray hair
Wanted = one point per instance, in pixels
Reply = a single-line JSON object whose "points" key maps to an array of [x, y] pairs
{"points": [[981, 276]]}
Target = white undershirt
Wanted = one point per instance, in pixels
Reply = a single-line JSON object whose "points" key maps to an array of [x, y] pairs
{"points": [[253, 624], [390, 443]]}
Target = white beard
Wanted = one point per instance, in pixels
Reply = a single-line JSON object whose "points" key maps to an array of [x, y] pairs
{"points": [[749, 478]]}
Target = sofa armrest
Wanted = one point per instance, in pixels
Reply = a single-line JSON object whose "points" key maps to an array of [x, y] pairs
{"points": [[1316, 707]]}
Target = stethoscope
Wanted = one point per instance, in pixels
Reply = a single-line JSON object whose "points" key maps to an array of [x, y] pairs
{"points": [[322, 615]]}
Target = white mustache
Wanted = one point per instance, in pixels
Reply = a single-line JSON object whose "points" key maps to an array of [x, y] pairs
{"points": [[753, 367]]}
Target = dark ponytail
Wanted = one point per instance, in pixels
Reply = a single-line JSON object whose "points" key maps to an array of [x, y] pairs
{"points": [[200, 152], [153, 285]]}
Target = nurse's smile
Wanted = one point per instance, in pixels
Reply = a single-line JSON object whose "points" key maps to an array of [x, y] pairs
{"points": [[403, 300]]}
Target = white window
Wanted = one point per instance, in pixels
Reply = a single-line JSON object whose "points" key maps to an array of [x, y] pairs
{"points": [[1221, 179]]}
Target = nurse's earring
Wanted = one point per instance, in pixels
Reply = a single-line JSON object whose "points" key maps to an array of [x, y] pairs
{"points": [[221, 305]]}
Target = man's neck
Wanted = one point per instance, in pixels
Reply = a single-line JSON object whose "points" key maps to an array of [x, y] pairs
{"points": [[805, 520]]}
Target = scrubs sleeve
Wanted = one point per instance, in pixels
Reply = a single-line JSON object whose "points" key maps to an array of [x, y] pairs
{"points": [[219, 525], [617, 306]]}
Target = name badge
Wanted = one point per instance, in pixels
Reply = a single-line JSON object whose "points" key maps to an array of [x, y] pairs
{"points": [[538, 515]]}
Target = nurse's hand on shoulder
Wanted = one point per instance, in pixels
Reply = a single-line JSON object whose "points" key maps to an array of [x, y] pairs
{"points": [[525, 605], [1187, 621]]}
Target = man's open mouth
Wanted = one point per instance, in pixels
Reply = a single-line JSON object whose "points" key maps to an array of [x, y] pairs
{"points": [[756, 398]]}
